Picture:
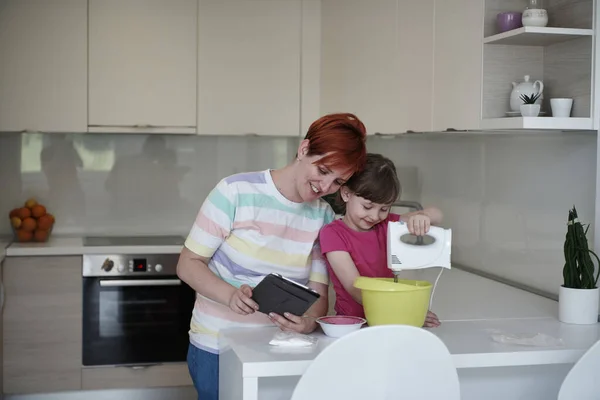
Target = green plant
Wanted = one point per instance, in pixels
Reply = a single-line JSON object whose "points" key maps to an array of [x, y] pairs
{"points": [[529, 99], [578, 272]]}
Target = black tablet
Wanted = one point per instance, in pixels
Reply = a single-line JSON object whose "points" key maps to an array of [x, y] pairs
{"points": [[279, 295]]}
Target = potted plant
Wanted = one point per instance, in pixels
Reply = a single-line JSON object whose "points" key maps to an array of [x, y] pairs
{"points": [[529, 108], [578, 297]]}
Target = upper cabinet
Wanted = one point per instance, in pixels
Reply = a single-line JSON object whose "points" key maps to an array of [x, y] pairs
{"points": [[457, 66], [559, 54], [43, 65], [143, 65], [377, 62], [249, 67]]}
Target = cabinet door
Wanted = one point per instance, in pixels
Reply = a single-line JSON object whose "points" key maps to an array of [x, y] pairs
{"points": [[142, 65], [458, 64], [43, 65], [249, 67], [360, 68], [42, 324], [415, 53]]}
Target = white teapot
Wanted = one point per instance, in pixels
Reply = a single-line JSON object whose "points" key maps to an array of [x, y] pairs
{"points": [[525, 87]]}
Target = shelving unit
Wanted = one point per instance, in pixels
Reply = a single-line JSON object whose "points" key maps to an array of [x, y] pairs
{"points": [[560, 55], [538, 123], [537, 36]]}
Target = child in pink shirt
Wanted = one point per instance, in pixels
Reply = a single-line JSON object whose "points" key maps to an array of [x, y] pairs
{"points": [[356, 244]]}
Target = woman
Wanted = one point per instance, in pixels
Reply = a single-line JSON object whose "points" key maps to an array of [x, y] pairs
{"points": [[256, 223]]}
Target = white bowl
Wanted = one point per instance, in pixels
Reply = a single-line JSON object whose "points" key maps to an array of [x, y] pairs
{"points": [[339, 325]]}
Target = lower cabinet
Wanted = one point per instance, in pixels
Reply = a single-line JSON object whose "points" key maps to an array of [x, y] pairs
{"points": [[164, 375], [42, 324]]}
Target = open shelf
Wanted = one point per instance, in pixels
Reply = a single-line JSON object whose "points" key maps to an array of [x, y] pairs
{"points": [[541, 123], [537, 36]]}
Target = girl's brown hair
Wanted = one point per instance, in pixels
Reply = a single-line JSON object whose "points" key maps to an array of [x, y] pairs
{"points": [[377, 182]]}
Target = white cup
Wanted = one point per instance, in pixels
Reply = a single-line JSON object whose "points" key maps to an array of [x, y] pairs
{"points": [[561, 108]]}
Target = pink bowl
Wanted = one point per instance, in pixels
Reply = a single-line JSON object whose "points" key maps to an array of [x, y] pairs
{"points": [[340, 325]]}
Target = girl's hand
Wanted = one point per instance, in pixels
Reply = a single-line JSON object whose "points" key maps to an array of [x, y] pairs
{"points": [[419, 224], [293, 323], [431, 321], [241, 301]]}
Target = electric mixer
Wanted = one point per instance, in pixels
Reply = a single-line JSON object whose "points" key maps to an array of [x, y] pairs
{"points": [[409, 252]]}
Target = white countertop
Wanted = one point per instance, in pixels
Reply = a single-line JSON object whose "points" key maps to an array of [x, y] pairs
{"points": [[65, 246], [469, 318], [4, 243]]}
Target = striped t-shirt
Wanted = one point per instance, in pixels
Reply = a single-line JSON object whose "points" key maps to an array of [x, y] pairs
{"points": [[248, 229]]}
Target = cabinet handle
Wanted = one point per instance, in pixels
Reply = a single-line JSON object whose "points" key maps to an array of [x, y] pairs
{"points": [[450, 130], [143, 126], [138, 367], [140, 282]]}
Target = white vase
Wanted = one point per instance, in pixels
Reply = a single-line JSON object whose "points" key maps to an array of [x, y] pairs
{"points": [[578, 306], [530, 110]]}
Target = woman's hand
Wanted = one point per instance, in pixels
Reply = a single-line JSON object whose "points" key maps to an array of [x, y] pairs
{"points": [[241, 301], [419, 224], [294, 323], [432, 320]]}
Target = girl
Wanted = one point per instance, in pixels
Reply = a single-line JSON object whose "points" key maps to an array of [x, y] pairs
{"points": [[356, 244]]}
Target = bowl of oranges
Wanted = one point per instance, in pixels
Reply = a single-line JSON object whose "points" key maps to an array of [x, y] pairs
{"points": [[32, 222]]}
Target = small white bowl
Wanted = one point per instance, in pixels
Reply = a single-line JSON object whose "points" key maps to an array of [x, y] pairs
{"points": [[339, 325]]}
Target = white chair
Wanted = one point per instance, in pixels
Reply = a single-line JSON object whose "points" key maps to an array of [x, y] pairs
{"points": [[583, 380], [381, 363]]}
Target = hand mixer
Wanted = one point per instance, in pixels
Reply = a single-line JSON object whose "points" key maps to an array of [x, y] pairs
{"points": [[409, 252]]}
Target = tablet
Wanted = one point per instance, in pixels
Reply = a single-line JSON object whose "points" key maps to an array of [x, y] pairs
{"points": [[279, 295]]}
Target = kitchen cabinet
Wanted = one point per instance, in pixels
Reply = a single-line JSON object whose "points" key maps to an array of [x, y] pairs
{"points": [[457, 73], [43, 65], [167, 375], [560, 55], [42, 324], [143, 66], [377, 62], [249, 66]]}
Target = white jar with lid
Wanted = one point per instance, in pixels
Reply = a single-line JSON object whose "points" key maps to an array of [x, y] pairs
{"points": [[535, 14]]}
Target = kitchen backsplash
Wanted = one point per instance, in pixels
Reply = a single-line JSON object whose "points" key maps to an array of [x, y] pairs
{"points": [[506, 197]]}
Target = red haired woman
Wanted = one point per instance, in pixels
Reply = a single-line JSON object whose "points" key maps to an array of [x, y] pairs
{"points": [[256, 223]]}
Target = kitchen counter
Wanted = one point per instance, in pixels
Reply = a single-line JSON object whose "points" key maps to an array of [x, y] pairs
{"points": [[4, 243], [472, 309], [65, 246]]}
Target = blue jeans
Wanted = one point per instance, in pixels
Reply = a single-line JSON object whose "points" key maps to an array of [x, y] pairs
{"points": [[204, 370]]}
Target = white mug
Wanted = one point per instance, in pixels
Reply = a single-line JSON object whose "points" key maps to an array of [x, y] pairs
{"points": [[561, 108]]}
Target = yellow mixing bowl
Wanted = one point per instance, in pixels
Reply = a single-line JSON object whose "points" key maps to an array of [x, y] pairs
{"points": [[389, 303]]}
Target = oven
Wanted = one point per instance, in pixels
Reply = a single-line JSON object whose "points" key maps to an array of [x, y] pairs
{"points": [[136, 311]]}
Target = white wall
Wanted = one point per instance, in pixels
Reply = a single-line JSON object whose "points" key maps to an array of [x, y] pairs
{"points": [[506, 197]]}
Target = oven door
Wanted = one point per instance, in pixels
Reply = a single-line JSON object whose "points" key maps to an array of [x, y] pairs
{"points": [[137, 321]]}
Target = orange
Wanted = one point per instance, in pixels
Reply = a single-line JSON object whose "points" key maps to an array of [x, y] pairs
{"points": [[28, 224], [30, 203], [40, 236], [51, 217], [14, 213], [45, 222], [38, 210], [24, 236], [16, 222], [24, 212]]}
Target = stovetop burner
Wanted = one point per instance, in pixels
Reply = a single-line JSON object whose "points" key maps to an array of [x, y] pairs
{"points": [[133, 241]]}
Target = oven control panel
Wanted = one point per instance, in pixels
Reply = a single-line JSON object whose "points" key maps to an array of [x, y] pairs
{"points": [[123, 264]]}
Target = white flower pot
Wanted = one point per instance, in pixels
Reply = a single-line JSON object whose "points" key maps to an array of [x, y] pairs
{"points": [[578, 306], [530, 110]]}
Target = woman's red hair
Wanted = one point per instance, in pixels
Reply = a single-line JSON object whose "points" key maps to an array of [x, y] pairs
{"points": [[342, 137]]}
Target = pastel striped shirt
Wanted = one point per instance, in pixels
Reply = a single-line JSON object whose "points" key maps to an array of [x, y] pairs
{"points": [[248, 229]]}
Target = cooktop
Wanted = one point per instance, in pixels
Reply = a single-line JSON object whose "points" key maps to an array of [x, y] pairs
{"points": [[133, 241]]}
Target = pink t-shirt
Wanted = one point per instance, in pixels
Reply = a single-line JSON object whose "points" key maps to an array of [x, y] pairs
{"points": [[368, 251]]}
